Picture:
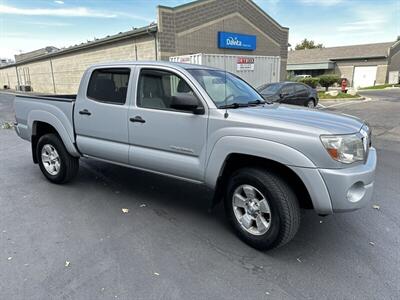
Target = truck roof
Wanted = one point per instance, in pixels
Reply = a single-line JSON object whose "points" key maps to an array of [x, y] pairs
{"points": [[155, 63]]}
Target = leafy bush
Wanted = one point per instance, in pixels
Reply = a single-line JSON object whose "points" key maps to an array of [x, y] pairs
{"points": [[310, 81], [328, 80]]}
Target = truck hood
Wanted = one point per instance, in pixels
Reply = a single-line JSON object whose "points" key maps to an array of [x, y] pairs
{"points": [[293, 117]]}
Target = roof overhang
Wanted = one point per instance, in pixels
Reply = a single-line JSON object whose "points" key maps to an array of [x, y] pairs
{"points": [[151, 29], [359, 57], [311, 66]]}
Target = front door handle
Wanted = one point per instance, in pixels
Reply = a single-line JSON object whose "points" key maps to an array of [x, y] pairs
{"points": [[137, 119], [85, 112]]}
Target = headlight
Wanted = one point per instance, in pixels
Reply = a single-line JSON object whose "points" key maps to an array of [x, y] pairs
{"points": [[347, 148]]}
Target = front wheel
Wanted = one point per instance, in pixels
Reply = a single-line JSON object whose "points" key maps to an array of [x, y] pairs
{"points": [[262, 208], [56, 164], [310, 103]]}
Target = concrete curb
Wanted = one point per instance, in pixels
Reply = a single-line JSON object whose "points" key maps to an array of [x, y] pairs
{"points": [[379, 90], [345, 103], [342, 99]]}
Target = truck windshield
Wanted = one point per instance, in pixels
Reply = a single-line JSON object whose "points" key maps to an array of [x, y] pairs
{"points": [[226, 89]]}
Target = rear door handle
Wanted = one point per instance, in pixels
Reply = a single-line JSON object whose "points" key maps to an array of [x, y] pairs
{"points": [[137, 119], [85, 112]]}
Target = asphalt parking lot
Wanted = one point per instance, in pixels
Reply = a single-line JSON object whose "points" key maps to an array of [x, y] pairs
{"points": [[168, 246]]}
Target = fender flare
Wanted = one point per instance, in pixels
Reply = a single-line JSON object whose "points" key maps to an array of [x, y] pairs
{"points": [[66, 133], [270, 150]]}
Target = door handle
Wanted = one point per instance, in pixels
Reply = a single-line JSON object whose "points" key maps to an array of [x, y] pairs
{"points": [[85, 112], [137, 119]]}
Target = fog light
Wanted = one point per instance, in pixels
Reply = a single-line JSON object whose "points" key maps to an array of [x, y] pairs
{"points": [[356, 192]]}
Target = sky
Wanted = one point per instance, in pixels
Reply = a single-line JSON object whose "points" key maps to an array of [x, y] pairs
{"points": [[27, 25]]}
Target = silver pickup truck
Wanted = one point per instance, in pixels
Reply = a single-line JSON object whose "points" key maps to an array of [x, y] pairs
{"points": [[209, 127]]}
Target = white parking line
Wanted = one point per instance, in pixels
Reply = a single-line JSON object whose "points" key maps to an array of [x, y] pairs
{"points": [[349, 103]]}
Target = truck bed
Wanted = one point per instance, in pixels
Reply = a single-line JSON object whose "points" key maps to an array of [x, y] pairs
{"points": [[53, 109]]}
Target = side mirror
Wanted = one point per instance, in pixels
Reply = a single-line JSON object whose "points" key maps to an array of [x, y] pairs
{"points": [[187, 102]]}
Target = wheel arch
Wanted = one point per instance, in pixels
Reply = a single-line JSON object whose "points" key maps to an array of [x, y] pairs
{"points": [[233, 152], [41, 122], [236, 161]]}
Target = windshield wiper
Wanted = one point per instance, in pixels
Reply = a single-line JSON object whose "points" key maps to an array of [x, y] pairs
{"points": [[256, 102], [234, 105]]}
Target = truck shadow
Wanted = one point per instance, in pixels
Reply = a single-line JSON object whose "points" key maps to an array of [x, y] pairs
{"points": [[171, 198]]}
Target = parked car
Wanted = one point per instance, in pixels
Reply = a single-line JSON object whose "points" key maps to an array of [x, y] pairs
{"points": [[290, 93], [302, 76], [208, 127]]}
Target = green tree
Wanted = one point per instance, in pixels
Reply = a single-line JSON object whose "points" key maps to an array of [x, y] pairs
{"points": [[308, 44], [310, 81], [328, 80]]}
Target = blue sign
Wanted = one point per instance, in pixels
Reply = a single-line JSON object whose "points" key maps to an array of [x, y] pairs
{"points": [[231, 40]]}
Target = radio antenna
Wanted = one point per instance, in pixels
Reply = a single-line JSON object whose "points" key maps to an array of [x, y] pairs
{"points": [[226, 115]]}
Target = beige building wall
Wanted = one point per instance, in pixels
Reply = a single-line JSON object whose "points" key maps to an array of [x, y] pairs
{"points": [[345, 68], [345, 72], [8, 76], [381, 74], [68, 68], [394, 60], [37, 75]]}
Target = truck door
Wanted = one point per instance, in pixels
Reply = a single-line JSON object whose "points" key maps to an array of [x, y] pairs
{"points": [[101, 115], [164, 139]]}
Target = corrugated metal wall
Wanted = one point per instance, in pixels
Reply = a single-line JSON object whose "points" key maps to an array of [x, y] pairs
{"points": [[266, 69]]}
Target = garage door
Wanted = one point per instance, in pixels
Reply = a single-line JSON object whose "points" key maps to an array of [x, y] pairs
{"points": [[364, 76]]}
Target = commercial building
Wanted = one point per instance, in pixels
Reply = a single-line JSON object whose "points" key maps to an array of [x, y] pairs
{"points": [[229, 27], [361, 65]]}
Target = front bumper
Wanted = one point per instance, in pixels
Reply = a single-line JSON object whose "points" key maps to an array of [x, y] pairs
{"points": [[340, 190], [351, 188]]}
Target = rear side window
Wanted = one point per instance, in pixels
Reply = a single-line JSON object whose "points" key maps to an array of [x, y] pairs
{"points": [[300, 88], [288, 89], [109, 85]]}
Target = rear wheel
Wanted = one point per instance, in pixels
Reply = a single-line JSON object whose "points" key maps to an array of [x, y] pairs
{"points": [[56, 164], [262, 208]]}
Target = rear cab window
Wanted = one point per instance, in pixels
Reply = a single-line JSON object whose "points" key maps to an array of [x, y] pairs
{"points": [[109, 85]]}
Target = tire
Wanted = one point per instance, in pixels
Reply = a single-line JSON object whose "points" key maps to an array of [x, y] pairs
{"points": [[310, 103], [284, 216], [58, 170]]}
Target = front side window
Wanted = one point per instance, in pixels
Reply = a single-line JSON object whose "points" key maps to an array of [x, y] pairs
{"points": [[270, 88], [225, 88], [109, 85], [158, 89]]}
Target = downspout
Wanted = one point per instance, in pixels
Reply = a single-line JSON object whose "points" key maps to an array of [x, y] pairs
{"points": [[154, 34], [136, 57], [52, 75], [16, 72], [155, 45]]}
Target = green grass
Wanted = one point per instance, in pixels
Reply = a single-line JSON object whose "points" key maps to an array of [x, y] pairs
{"points": [[7, 125], [341, 95], [379, 87]]}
